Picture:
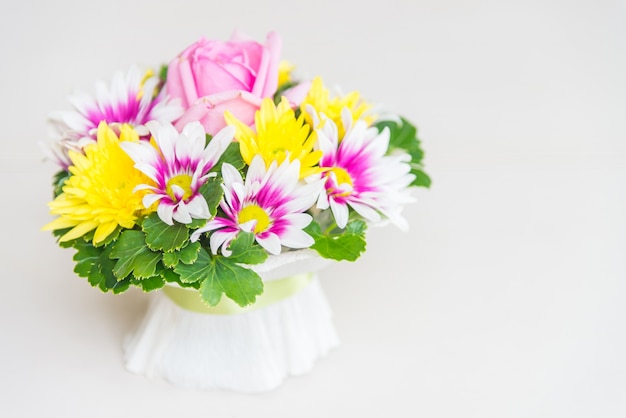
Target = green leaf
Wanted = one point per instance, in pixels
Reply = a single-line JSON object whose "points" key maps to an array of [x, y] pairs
{"points": [[133, 256], [66, 244], [232, 156], [188, 255], [211, 290], [357, 227], [94, 264], [219, 275], [245, 250], [197, 223], [149, 284], [191, 273], [163, 73], [281, 89], [105, 270], [86, 258], [163, 237], [212, 192], [238, 283], [421, 178], [121, 286], [348, 244], [170, 276], [59, 181]]}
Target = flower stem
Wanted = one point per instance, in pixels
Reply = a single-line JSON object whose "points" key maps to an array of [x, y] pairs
{"points": [[330, 228]]}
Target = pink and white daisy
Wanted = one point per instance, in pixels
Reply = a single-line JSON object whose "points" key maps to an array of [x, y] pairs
{"points": [[358, 173], [130, 99], [270, 203], [179, 164]]}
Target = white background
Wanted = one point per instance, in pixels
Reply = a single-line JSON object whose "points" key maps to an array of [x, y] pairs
{"points": [[506, 298]]}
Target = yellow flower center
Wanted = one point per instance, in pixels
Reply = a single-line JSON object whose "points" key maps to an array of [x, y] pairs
{"points": [[343, 177], [254, 212], [184, 182]]}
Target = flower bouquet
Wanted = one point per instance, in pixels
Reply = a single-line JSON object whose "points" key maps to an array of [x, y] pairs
{"points": [[222, 167]]}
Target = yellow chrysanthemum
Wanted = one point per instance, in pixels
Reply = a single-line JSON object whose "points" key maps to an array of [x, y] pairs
{"points": [[278, 134], [319, 97], [284, 72], [99, 193]]}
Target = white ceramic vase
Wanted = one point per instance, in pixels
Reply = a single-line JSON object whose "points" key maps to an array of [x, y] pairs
{"points": [[251, 351]]}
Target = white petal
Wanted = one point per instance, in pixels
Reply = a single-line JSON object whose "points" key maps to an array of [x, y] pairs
{"points": [[165, 212], [296, 238], [231, 175], [248, 226], [221, 238], [183, 148], [218, 145], [178, 191], [365, 211], [141, 130], [198, 208], [81, 102], [298, 220], [149, 170], [181, 214], [256, 171], [146, 99], [398, 220], [194, 130], [210, 226], [305, 198], [165, 136], [167, 110], [346, 118], [271, 243], [323, 201], [327, 145], [314, 116], [147, 187], [340, 212], [149, 199]]}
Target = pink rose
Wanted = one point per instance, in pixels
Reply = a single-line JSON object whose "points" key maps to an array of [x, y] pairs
{"points": [[210, 77]]}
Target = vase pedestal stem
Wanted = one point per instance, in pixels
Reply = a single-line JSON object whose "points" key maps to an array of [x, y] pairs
{"points": [[247, 350]]}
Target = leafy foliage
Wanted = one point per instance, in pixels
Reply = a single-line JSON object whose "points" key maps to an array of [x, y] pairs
{"points": [[212, 192], [188, 255], [133, 256], [218, 275], [232, 156], [163, 237], [347, 244], [58, 181], [149, 284], [281, 89], [163, 73], [152, 253], [226, 277], [59, 233], [245, 250], [94, 264]]}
